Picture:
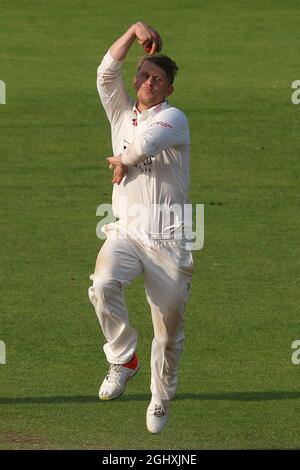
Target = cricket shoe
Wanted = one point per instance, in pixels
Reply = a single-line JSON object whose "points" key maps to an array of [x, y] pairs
{"points": [[157, 416], [117, 377]]}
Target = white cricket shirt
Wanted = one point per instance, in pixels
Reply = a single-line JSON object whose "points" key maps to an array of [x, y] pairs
{"points": [[155, 146]]}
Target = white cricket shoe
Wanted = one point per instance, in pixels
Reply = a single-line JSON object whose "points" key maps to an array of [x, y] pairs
{"points": [[117, 377], [157, 416]]}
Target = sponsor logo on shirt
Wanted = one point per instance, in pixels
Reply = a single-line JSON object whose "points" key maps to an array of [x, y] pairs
{"points": [[162, 124], [145, 165]]}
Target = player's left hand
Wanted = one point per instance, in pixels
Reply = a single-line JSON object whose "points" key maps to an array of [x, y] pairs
{"points": [[120, 170]]}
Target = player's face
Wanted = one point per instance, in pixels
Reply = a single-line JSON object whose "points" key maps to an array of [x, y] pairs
{"points": [[152, 85]]}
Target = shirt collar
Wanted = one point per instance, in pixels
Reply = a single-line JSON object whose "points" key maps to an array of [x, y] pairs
{"points": [[151, 111]]}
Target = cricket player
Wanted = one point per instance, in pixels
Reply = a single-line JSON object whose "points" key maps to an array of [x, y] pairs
{"points": [[150, 163]]}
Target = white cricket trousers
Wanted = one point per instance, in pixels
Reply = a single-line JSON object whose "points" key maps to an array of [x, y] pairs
{"points": [[167, 270]]}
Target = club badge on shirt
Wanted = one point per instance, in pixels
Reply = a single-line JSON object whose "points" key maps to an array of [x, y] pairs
{"points": [[134, 119]]}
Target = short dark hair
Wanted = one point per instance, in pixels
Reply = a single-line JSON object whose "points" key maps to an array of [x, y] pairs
{"points": [[162, 61]]}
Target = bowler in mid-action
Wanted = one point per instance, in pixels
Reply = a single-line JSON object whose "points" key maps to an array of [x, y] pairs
{"points": [[150, 163]]}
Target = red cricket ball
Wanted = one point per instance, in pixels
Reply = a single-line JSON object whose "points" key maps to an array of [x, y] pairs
{"points": [[148, 47]]}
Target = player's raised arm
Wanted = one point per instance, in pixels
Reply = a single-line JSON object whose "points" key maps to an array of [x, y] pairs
{"points": [[109, 78]]}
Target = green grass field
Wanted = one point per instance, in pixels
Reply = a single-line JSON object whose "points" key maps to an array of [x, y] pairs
{"points": [[238, 388]]}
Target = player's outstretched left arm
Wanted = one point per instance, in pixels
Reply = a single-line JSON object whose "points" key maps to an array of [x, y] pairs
{"points": [[170, 129]]}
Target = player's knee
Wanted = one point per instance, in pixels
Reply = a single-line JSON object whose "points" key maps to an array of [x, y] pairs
{"points": [[169, 339], [103, 289], [164, 341]]}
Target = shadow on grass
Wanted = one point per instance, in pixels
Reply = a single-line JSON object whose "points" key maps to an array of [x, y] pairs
{"points": [[228, 396]]}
